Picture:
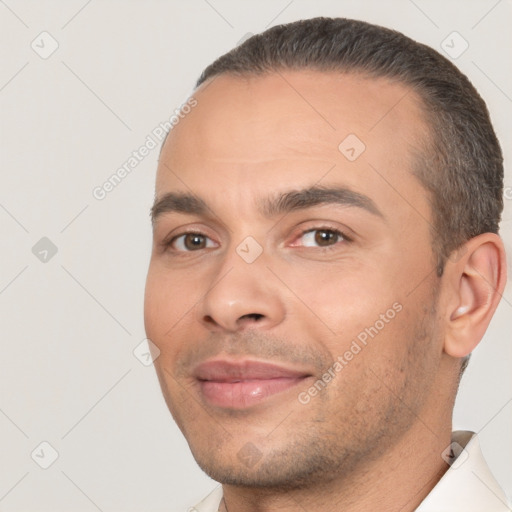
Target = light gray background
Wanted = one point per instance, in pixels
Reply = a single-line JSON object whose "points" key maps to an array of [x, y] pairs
{"points": [[69, 326]]}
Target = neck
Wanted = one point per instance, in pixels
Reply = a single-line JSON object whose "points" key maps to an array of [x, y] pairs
{"points": [[399, 480]]}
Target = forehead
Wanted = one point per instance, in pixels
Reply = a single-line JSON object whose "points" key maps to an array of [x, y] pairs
{"points": [[306, 103], [292, 127]]}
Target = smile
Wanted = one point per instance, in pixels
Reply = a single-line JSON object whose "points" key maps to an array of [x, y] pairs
{"points": [[242, 384]]}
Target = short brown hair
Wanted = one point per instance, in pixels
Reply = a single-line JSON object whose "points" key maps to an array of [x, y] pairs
{"points": [[462, 165]]}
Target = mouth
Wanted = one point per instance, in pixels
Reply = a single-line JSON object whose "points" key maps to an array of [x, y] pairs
{"points": [[242, 384]]}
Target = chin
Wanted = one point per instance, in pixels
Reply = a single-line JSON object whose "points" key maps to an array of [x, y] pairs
{"points": [[287, 469]]}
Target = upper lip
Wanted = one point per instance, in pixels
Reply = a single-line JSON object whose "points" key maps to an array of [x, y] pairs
{"points": [[224, 370]]}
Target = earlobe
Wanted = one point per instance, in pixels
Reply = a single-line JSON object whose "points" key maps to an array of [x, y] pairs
{"points": [[478, 280]]}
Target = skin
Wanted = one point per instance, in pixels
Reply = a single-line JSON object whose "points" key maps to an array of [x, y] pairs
{"points": [[386, 417]]}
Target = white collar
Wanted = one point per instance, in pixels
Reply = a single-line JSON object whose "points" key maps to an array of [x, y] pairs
{"points": [[211, 503], [468, 485]]}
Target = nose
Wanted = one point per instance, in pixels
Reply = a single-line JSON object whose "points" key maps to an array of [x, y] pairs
{"points": [[242, 296]]}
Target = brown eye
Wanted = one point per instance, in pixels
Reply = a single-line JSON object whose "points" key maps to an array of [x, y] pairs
{"points": [[321, 237], [191, 242], [324, 237]]}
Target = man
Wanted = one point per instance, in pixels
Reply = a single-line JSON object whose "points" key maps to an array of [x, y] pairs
{"points": [[325, 259]]}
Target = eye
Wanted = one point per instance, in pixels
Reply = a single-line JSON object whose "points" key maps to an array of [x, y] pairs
{"points": [[321, 237], [191, 242]]}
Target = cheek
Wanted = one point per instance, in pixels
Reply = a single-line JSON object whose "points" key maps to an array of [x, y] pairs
{"points": [[163, 308], [154, 303], [363, 316], [345, 299], [385, 360], [170, 313], [167, 301]]}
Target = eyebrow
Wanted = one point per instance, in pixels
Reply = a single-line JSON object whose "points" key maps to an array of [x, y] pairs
{"points": [[281, 203], [178, 202], [314, 196]]}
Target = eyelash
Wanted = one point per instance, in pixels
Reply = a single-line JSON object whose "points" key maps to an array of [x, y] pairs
{"points": [[168, 243]]}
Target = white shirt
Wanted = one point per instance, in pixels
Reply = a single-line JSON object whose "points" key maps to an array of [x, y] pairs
{"points": [[467, 486]]}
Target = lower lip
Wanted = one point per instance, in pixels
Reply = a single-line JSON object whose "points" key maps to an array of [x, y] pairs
{"points": [[240, 395]]}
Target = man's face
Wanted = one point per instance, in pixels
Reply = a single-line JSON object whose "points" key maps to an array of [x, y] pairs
{"points": [[292, 284]]}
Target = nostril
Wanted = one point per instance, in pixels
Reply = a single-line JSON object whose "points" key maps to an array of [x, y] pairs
{"points": [[252, 316], [209, 320]]}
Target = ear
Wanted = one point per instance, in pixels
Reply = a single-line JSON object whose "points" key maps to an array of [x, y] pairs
{"points": [[476, 283]]}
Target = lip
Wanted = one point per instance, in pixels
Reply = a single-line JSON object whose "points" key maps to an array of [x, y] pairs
{"points": [[242, 384]]}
